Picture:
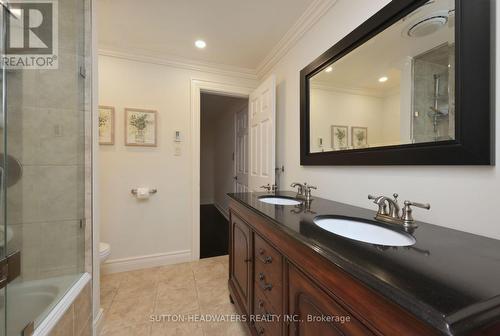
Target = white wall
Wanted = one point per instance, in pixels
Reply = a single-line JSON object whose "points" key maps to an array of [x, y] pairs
{"points": [[391, 119], [464, 198], [160, 227], [330, 107]]}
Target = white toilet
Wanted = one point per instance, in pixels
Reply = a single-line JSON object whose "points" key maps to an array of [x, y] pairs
{"points": [[104, 251]]}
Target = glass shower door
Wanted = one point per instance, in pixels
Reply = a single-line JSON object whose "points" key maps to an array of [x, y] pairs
{"points": [[42, 152], [3, 222]]}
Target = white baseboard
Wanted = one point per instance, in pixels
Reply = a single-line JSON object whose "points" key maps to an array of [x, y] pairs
{"points": [[222, 211], [153, 260], [98, 322]]}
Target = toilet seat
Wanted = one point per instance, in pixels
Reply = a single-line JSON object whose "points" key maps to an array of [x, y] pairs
{"points": [[104, 251]]}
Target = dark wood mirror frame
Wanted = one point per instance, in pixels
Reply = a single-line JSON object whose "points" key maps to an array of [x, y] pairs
{"points": [[474, 111]]}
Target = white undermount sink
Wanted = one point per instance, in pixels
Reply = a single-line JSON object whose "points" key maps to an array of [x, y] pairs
{"points": [[279, 200], [364, 232]]}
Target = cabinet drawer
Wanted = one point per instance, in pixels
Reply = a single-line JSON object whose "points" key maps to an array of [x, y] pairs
{"points": [[268, 281], [268, 328], [267, 255], [268, 321], [320, 314]]}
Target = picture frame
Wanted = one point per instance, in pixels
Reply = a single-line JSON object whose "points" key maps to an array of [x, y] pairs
{"points": [[340, 137], [359, 137], [106, 125], [141, 126]]}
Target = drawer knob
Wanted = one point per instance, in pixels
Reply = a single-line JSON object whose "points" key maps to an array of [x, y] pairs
{"points": [[261, 303], [266, 260], [261, 331], [265, 286]]}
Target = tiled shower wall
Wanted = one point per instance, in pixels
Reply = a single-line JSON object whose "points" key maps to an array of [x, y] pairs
{"points": [[439, 61], [48, 125]]}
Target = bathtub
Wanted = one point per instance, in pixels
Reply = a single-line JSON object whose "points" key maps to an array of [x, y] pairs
{"points": [[37, 301]]}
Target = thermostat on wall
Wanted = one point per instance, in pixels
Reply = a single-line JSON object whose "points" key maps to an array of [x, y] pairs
{"points": [[177, 136]]}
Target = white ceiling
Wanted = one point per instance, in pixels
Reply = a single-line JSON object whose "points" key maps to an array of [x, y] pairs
{"points": [[239, 33], [386, 54]]}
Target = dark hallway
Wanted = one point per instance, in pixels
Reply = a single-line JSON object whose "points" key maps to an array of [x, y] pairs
{"points": [[214, 232]]}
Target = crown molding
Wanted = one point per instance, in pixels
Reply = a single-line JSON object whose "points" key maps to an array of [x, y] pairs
{"points": [[321, 85], [349, 90], [312, 15], [181, 63]]}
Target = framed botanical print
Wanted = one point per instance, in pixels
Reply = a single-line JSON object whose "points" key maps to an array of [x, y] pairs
{"points": [[140, 127], [106, 125], [339, 137], [359, 137]]}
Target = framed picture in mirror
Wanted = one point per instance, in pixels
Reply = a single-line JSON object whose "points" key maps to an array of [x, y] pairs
{"points": [[340, 137], [359, 137]]}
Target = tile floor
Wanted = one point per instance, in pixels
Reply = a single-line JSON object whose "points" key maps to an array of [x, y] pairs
{"points": [[130, 299]]}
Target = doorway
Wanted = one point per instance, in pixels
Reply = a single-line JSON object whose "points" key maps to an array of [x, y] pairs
{"points": [[223, 166]]}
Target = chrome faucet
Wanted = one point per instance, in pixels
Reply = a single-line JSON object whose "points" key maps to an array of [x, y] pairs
{"points": [[300, 189], [303, 191], [270, 188], [389, 210]]}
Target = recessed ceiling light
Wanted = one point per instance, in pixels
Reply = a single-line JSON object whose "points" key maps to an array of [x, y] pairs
{"points": [[200, 44], [383, 79], [329, 69]]}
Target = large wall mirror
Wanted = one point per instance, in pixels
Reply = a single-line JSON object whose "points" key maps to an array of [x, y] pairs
{"points": [[403, 88]]}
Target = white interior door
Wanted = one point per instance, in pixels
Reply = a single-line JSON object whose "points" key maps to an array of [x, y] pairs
{"points": [[262, 135], [241, 151]]}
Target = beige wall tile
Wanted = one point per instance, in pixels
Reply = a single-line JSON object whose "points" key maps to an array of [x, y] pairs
{"points": [[83, 308], [65, 325]]}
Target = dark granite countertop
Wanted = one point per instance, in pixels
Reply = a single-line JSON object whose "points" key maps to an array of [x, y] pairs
{"points": [[449, 278]]}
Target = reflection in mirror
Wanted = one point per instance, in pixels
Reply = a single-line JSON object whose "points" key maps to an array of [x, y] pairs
{"points": [[396, 88]]}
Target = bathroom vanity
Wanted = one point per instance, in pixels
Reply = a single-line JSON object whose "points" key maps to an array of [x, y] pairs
{"points": [[289, 276]]}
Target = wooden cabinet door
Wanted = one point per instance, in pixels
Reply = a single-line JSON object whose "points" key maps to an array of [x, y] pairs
{"points": [[315, 313], [241, 260]]}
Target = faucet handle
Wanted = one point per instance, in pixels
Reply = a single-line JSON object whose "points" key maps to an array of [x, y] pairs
{"points": [[407, 216], [266, 187], [425, 206], [307, 191]]}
